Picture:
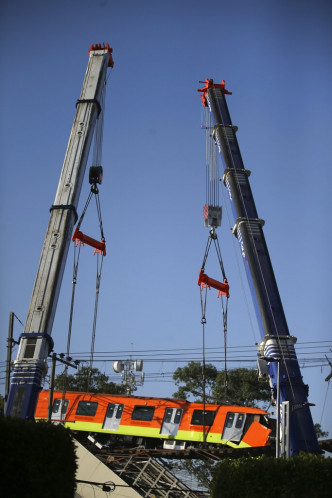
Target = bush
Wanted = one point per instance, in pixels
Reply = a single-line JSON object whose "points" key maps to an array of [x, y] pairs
{"points": [[305, 475], [37, 460]]}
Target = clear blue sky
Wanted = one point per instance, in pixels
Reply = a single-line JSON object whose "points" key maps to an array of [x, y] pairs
{"points": [[276, 59]]}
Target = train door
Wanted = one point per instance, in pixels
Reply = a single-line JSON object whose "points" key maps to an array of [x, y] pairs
{"points": [[171, 421], [233, 428], [113, 417], [59, 409]]}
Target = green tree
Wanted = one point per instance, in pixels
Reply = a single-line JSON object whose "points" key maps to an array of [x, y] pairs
{"points": [[305, 475], [243, 387], [319, 431], [192, 377], [86, 379]]}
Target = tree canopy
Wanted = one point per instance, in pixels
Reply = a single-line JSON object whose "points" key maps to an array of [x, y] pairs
{"points": [[243, 387], [86, 379]]}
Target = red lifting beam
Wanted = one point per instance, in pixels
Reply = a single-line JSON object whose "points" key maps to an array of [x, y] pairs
{"points": [[222, 287], [85, 239]]}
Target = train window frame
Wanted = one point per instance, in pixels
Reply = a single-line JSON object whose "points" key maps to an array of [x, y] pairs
{"points": [[143, 413], [119, 411], [89, 410], [197, 417], [57, 403]]}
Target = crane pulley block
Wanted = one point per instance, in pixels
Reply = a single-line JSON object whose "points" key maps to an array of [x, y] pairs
{"points": [[80, 237], [212, 215], [222, 287], [95, 175]]}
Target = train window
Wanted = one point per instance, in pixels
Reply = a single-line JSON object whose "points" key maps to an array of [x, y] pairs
{"points": [[119, 411], [240, 421], [142, 412], [56, 405], [110, 410], [168, 415], [177, 417], [88, 408], [229, 420], [200, 418]]}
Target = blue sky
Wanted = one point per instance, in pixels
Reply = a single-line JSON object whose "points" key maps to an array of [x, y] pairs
{"points": [[276, 59]]}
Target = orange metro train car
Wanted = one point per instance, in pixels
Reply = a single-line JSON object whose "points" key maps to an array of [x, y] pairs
{"points": [[156, 422]]}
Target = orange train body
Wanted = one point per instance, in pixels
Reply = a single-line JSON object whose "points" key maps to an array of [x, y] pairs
{"points": [[157, 421]]}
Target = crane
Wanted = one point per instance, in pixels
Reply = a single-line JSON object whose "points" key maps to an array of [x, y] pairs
{"points": [[277, 345], [35, 342]]}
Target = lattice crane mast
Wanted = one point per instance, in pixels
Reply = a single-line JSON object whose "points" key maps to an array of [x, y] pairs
{"points": [[35, 343], [277, 343]]}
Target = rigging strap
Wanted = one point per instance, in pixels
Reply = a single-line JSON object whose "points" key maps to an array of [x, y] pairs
{"points": [[205, 280], [79, 237]]}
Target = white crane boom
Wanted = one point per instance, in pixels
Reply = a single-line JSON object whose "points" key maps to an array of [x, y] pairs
{"points": [[36, 342]]}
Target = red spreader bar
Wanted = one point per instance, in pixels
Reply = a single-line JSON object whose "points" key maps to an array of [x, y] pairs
{"points": [[79, 236], [222, 287]]}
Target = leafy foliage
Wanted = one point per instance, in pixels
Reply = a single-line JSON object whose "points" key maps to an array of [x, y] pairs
{"points": [[202, 470], [319, 431], [87, 379], [243, 386], [192, 377], [303, 475], [38, 460]]}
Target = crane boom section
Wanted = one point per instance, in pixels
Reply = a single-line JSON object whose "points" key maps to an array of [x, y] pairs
{"points": [[277, 343], [36, 342]]}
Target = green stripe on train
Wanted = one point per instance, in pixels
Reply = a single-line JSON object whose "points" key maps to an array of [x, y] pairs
{"points": [[130, 430]]}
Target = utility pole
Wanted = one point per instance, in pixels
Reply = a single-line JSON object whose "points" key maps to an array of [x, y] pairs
{"points": [[52, 377], [9, 353]]}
